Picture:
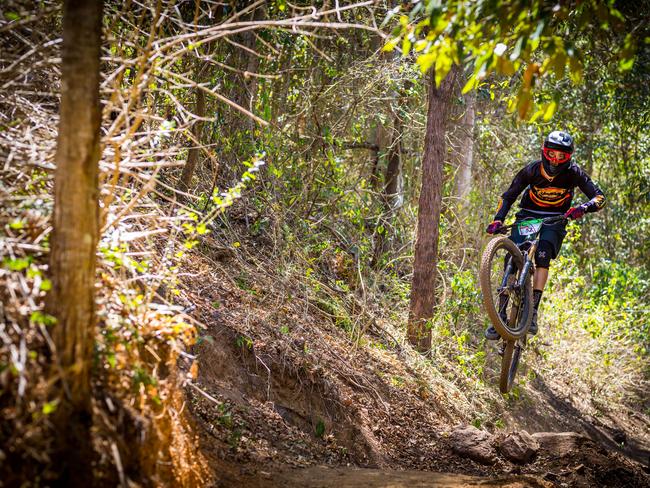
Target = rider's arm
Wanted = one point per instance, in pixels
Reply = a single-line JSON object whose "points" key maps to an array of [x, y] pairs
{"points": [[589, 188], [521, 181]]}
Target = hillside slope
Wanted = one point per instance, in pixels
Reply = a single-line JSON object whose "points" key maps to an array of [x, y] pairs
{"points": [[281, 385]]}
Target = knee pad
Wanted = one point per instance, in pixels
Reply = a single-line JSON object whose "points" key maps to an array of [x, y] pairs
{"points": [[544, 254]]}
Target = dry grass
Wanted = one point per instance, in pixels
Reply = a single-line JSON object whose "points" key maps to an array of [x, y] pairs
{"points": [[140, 333]]}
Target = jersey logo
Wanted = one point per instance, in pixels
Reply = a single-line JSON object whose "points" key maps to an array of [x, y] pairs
{"points": [[549, 197]]}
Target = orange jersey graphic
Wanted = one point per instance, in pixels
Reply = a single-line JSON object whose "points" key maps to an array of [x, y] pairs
{"points": [[549, 197]]}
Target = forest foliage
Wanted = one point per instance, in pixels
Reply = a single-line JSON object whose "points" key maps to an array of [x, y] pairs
{"points": [[295, 132]]}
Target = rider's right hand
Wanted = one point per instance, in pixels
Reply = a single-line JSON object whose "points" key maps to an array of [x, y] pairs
{"points": [[494, 227], [575, 213]]}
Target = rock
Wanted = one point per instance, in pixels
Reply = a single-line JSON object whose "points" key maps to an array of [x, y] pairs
{"points": [[519, 447], [619, 436], [468, 441], [551, 476], [559, 443]]}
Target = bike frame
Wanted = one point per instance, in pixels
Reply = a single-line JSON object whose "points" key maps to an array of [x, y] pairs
{"points": [[530, 252], [531, 242]]}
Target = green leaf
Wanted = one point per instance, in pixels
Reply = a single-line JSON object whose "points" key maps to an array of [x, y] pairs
{"points": [[538, 30], [443, 66], [389, 15], [425, 61], [575, 69], [470, 85], [415, 11], [18, 264], [33, 272], [110, 359], [444, 62], [391, 44], [559, 64], [521, 42], [406, 46], [46, 285], [420, 45], [39, 317], [12, 16], [320, 428], [626, 64], [550, 110], [50, 407], [536, 115]]}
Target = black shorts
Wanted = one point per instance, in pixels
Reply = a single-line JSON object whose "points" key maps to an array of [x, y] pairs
{"points": [[550, 238]]}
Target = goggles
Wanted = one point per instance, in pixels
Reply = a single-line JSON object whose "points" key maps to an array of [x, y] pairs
{"points": [[555, 156]]}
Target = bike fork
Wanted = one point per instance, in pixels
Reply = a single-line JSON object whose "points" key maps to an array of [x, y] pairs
{"points": [[506, 274], [504, 289], [524, 274], [527, 265]]}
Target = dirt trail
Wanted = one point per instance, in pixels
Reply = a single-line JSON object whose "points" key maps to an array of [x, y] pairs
{"points": [[322, 477]]}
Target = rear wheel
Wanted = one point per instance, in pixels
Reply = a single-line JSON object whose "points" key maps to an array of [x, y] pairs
{"points": [[510, 363], [501, 295]]}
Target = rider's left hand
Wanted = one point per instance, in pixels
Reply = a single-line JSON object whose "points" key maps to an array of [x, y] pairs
{"points": [[494, 227], [575, 213]]}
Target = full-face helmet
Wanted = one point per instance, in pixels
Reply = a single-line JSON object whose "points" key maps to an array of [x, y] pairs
{"points": [[556, 152]]}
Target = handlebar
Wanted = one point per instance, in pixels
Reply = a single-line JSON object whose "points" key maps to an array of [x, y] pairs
{"points": [[548, 220]]}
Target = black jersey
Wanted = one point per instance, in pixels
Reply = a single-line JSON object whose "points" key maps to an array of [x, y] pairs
{"points": [[549, 195]]}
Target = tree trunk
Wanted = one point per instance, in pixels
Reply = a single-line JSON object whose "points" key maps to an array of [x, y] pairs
{"points": [[466, 153], [393, 169], [250, 64], [379, 138], [426, 246], [194, 152], [390, 197], [74, 238]]}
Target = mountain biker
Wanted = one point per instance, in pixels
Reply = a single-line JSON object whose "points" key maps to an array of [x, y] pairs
{"points": [[548, 186]]}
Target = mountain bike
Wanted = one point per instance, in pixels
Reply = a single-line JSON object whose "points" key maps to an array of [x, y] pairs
{"points": [[506, 277]]}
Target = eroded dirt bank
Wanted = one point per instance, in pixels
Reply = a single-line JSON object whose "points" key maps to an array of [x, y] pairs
{"points": [[284, 397]]}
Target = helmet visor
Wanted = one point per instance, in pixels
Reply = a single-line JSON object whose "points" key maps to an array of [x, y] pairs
{"points": [[555, 156]]}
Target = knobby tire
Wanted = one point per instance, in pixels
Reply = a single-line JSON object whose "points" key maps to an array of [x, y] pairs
{"points": [[514, 338], [490, 306], [509, 364]]}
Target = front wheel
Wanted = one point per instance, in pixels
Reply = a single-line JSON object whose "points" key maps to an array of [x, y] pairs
{"points": [[501, 266]]}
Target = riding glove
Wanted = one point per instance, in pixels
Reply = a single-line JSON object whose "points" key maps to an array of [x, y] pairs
{"points": [[494, 227], [575, 212]]}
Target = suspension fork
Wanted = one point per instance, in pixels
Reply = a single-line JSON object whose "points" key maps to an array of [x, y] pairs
{"points": [[528, 264], [506, 274]]}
